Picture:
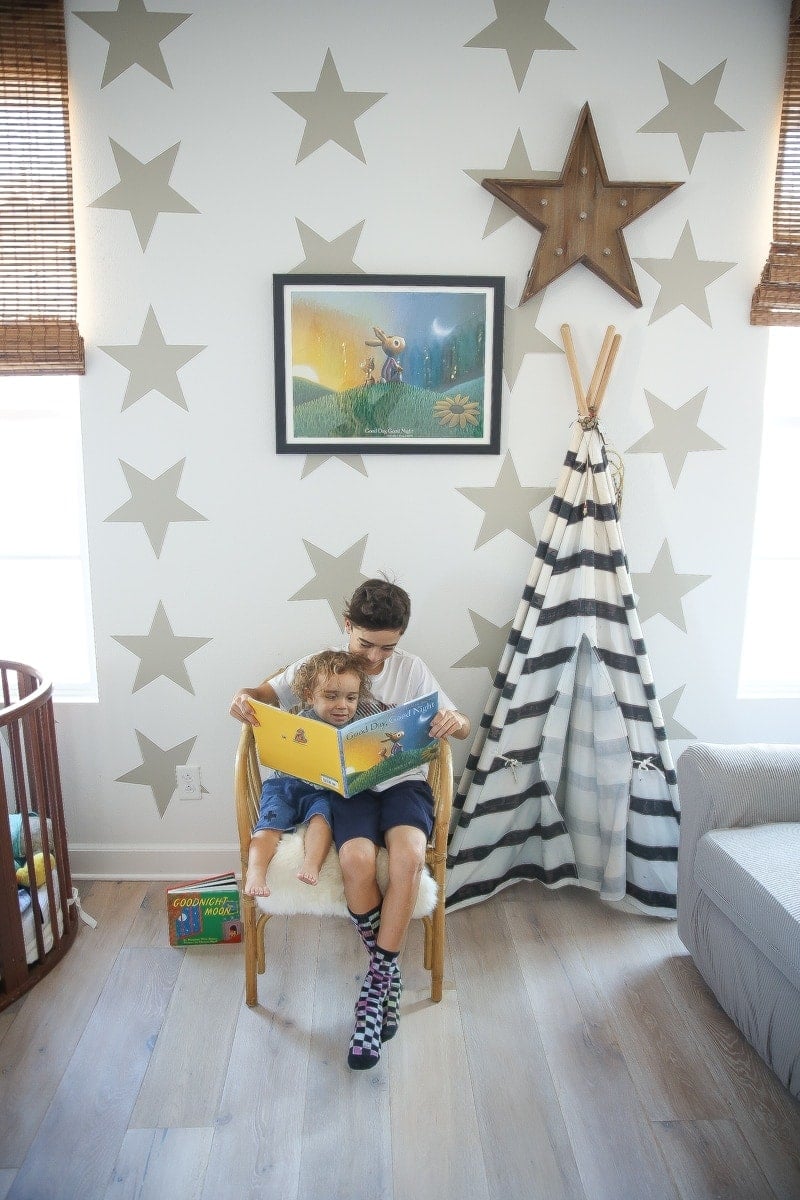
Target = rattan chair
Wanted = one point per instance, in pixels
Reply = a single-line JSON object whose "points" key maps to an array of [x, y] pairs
{"points": [[256, 910]]}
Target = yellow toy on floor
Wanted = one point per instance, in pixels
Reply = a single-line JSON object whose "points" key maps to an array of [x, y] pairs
{"points": [[23, 877]]}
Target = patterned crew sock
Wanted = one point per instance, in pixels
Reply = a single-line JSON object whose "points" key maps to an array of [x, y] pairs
{"points": [[365, 1044], [368, 925], [391, 1005]]}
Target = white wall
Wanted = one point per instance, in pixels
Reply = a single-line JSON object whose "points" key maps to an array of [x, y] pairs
{"points": [[447, 109]]}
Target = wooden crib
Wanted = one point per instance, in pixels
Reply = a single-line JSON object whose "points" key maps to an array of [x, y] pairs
{"points": [[37, 923]]}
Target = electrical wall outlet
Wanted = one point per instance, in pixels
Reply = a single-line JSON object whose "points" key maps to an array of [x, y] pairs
{"points": [[188, 778]]}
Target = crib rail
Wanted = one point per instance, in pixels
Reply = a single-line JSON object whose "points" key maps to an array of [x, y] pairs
{"points": [[30, 785]]}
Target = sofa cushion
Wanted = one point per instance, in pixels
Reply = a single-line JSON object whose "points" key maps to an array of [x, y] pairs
{"points": [[753, 876]]}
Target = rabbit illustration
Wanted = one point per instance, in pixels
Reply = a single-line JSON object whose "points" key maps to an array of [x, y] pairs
{"points": [[392, 345]]}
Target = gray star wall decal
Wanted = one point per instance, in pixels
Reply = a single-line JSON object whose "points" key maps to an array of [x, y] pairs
{"points": [[330, 112], [155, 503], [518, 166], [328, 258], [520, 29], [691, 111], [492, 641], [335, 578], [144, 190], [661, 590], [521, 337], [675, 433], [506, 505], [157, 768], [683, 279], [134, 37], [153, 364], [314, 461], [675, 731], [161, 652]]}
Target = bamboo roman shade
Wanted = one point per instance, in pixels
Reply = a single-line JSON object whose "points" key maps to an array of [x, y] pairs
{"points": [[38, 286], [776, 300]]}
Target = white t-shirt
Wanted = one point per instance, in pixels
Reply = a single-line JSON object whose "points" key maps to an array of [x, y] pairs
{"points": [[402, 677]]}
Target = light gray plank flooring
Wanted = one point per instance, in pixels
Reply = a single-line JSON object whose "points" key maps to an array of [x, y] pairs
{"points": [[576, 1053]]}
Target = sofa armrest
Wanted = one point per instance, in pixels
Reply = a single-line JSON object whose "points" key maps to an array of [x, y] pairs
{"points": [[726, 787]]}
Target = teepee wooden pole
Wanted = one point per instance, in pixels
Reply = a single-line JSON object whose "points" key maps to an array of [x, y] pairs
{"points": [[607, 368], [572, 363], [591, 394]]}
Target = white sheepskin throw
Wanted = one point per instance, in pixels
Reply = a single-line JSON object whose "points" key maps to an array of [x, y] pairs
{"points": [[326, 897]]}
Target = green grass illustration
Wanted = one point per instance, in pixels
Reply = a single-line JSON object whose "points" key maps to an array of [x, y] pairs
{"points": [[381, 410], [407, 760]]}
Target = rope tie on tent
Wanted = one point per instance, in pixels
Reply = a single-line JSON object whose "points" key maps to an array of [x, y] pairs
{"points": [[513, 763], [647, 764], [616, 471]]}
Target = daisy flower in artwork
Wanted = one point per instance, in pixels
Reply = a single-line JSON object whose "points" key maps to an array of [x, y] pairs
{"points": [[456, 411]]}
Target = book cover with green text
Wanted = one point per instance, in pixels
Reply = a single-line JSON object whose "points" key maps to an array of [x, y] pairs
{"points": [[204, 912]]}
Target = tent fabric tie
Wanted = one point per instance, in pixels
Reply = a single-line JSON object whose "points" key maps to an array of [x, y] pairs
{"points": [[513, 763]]}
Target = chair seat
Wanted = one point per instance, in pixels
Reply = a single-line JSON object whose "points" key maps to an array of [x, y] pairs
{"points": [[290, 897]]}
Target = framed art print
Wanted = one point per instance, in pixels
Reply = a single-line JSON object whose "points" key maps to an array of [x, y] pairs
{"points": [[388, 364]]}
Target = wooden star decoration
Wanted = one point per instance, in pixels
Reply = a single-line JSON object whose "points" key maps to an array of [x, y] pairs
{"points": [[580, 215]]}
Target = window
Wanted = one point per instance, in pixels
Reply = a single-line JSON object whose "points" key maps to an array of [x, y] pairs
{"points": [[776, 300], [38, 289], [45, 608], [45, 604], [770, 665]]}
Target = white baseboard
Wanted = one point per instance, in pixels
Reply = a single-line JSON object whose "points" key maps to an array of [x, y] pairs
{"points": [[170, 863]]}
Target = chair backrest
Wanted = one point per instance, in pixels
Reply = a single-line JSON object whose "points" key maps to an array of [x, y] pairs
{"points": [[247, 788], [440, 779]]}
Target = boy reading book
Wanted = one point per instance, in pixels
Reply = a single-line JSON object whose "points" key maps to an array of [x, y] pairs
{"points": [[333, 687], [399, 816]]}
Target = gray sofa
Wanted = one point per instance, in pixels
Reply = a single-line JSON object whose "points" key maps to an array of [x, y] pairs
{"points": [[739, 889]]}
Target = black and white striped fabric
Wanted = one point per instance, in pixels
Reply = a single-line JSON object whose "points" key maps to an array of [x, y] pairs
{"points": [[570, 778]]}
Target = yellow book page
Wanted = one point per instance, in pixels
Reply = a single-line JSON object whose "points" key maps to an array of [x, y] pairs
{"points": [[298, 746]]}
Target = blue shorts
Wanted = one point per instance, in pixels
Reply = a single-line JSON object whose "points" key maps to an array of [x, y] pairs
{"points": [[287, 802], [370, 814]]}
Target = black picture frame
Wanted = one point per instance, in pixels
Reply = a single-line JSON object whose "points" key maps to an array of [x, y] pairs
{"points": [[388, 364]]}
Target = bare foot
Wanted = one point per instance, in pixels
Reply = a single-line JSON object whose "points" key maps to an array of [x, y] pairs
{"points": [[255, 884], [308, 874]]}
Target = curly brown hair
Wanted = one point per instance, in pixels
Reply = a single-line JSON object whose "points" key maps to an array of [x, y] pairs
{"points": [[320, 667], [379, 604]]}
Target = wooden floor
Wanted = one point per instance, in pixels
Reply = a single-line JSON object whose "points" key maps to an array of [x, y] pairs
{"points": [[576, 1054]]}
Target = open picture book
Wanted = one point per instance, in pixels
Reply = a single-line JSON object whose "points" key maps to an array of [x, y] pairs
{"points": [[350, 759]]}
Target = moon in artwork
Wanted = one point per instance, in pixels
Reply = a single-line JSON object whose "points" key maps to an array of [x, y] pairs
{"points": [[441, 330]]}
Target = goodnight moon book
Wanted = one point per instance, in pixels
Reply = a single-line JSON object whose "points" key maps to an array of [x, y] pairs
{"points": [[364, 753]]}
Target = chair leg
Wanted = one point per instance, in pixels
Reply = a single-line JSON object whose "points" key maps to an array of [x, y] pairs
{"points": [[437, 950], [261, 928], [250, 952], [427, 925]]}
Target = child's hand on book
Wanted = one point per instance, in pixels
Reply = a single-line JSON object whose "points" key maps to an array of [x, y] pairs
{"points": [[241, 709]]}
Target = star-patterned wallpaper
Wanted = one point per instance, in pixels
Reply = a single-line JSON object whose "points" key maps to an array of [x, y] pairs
{"points": [[215, 145]]}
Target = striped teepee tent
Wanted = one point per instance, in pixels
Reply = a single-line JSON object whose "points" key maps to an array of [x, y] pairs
{"points": [[570, 778]]}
